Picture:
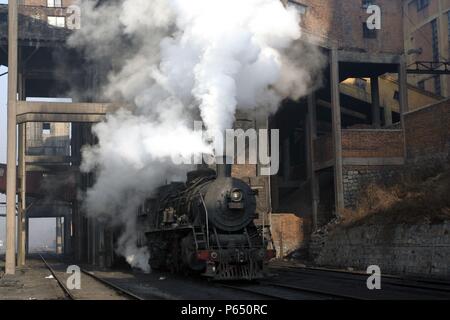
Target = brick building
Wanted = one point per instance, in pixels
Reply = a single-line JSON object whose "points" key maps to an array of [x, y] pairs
{"points": [[426, 26]]}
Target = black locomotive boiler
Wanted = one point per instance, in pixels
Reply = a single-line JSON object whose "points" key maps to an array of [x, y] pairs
{"points": [[206, 225]]}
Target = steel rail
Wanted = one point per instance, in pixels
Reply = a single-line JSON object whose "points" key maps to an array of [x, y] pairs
{"points": [[310, 270], [314, 291], [60, 283], [256, 292], [112, 285]]}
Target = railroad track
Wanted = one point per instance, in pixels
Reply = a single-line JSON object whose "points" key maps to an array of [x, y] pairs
{"points": [[421, 284], [113, 286], [288, 290], [313, 284], [107, 283], [253, 292], [61, 284], [324, 293]]}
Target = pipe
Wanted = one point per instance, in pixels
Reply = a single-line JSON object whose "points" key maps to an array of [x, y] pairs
{"points": [[223, 167]]}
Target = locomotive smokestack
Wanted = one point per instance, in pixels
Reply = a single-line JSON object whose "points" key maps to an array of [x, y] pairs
{"points": [[223, 169]]}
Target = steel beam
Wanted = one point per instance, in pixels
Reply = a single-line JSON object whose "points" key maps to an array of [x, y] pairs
{"points": [[337, 132], [429, 67], [403, 93], [39, 160], [365, 57], [10, 263], [21, 220], [375, 94], [28, 111], [345, 111], [67, 235], [403, 86], [51, 168], [59, 235], [312, 136]]}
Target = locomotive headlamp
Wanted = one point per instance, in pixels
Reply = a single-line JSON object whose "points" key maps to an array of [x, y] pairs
{"points": [[236, 195]]}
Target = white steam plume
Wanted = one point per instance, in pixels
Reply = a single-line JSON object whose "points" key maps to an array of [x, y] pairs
{"points": [[176, 61]]}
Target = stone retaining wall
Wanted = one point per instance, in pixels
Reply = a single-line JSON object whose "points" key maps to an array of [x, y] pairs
{"points": [[420, 250]]}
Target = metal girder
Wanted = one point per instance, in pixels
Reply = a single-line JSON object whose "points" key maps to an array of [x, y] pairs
{"points": [[346, 111], [367, 57], [28, 111], [429, 67], [51, 168], [48, 159]]}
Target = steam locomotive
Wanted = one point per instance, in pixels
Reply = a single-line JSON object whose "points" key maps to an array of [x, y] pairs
{"points": [[206, 226]]}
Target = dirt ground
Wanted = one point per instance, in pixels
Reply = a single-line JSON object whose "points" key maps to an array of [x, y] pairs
{"points": [[29, 283]]}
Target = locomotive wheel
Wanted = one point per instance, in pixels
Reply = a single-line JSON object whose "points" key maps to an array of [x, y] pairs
{"points": [[189, 255]]}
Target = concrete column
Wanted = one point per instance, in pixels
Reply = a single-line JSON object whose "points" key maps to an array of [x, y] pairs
{"points": [[403, 97], [337, 131], [77, 231], [387, 115], [93, 247], [286, 159], [77, 220], [443, 40], [275, 192], [109, 248], [403, 87], [21, 227], [101, 253], [90, 241], [27, 232], [67, 236], [10, 263], [59, 235], [375, 93], [22, 203], [312, 136]]}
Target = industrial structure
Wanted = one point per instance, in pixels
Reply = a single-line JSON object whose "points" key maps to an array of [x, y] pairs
{"points": [[427, 37], [332, 142]]}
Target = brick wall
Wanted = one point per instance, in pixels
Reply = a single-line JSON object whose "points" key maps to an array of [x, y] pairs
{"points": [[243, 171], [33, 24], [422, 250], [289, 233], [428, 133], [323, 149], [379, 145], [355, 178], [43, 3], [372, 143], [342, 21]]}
